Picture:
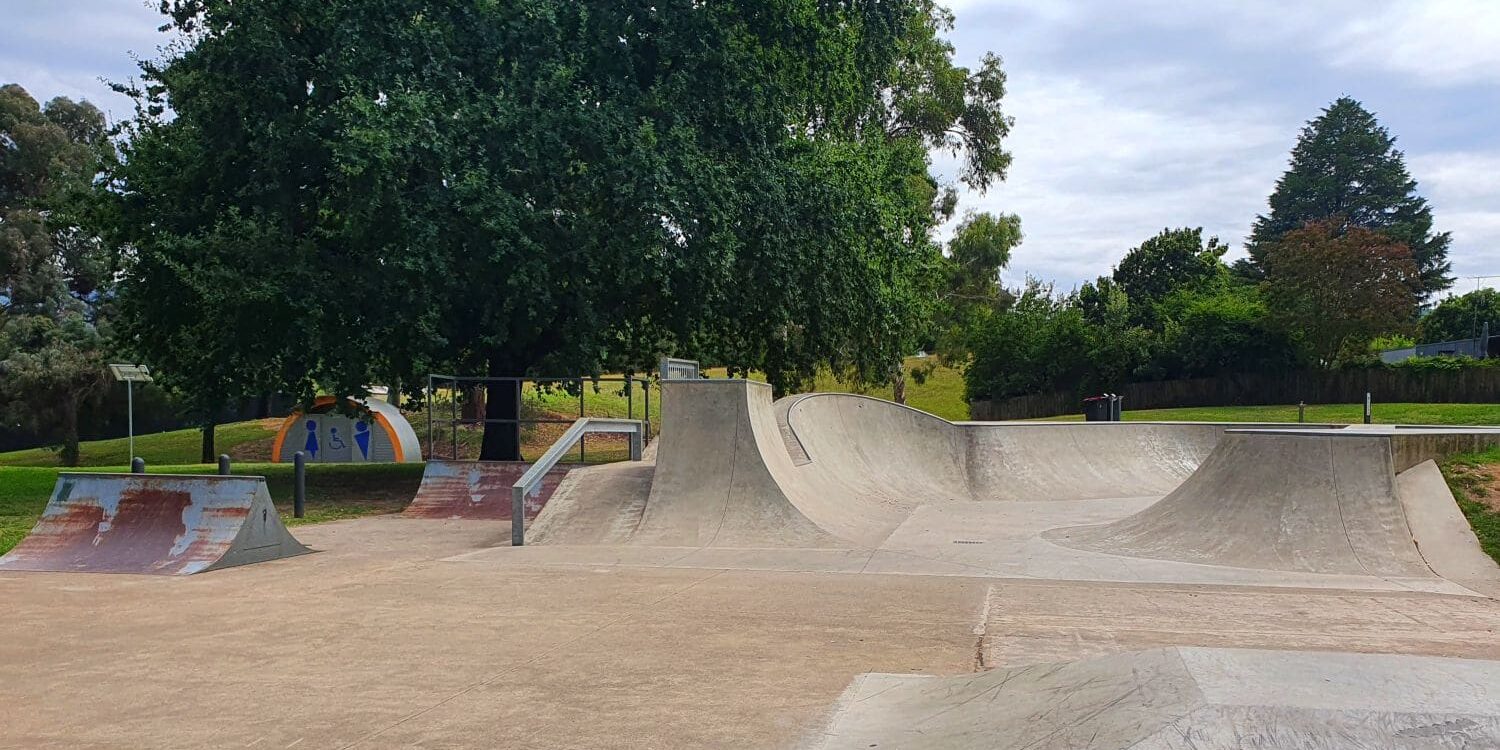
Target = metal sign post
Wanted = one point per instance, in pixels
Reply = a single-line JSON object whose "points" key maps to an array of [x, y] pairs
{"points": [[131, 374]]}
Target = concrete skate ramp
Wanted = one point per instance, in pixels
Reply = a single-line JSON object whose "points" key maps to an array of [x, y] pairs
{"points": [[720, 471], [1181, 699], [1442, 534], [904, 456], [841, 470], [159, 524], [1285, 500], [476, 490]]}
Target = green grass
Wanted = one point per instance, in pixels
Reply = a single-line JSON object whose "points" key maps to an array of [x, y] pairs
{"points": [[334, 491], [1475, 481], [23, 494], [175, 447], [1449, 414], [941, 393]]}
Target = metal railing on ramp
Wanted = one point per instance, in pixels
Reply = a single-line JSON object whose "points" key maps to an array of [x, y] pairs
{"points": [[530, 482]]}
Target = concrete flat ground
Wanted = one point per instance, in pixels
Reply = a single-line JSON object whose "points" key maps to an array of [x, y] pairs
{"points": [[398, 636]]}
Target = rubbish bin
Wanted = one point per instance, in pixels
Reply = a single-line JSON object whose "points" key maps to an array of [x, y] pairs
{"points": [[1098, 408]]}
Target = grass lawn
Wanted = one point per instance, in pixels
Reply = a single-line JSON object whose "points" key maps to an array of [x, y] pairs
{"points": [[1450, 414], [942, 393], [1475, 481], [334, 491], [175, 447]]}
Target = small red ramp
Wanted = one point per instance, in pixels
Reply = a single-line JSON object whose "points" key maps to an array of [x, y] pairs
{"points": [[476, 490], [154, 523]]}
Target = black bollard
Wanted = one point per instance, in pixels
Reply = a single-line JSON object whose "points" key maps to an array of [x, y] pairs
{"points": [[299, 500], [137, 465], [223, 464]]}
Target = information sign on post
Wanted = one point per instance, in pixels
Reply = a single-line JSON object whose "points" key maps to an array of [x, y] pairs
{"points": [[131, 374]]}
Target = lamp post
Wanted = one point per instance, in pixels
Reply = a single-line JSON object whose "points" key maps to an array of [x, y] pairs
{"points": [[131, 374]]}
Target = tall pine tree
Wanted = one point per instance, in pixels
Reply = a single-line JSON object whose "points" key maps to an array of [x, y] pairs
{"points": [[1345, 168]]}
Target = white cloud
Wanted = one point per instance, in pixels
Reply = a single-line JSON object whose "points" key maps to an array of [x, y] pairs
{"points": [[1464, 189], [1095, 176], [1437, 42]]}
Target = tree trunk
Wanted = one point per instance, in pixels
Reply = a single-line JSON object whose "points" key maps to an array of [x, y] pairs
{"points": [[393, 395], [473, 406], [502, 440], [207, 453], [69, 455], [898, 385]]}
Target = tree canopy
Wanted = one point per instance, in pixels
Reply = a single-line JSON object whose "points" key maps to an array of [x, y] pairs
{"points": [[1335, 288], [1173, 260], [1345, 168], [329, 193], [1461, 317], [52, 272]]}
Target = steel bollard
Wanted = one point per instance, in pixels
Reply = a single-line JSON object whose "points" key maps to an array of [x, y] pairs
{"points": [[224, 464], [299, 498], [1301, 411], [1367, 407]]}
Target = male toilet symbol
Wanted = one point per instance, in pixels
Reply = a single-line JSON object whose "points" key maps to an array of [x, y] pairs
{"points": [[311, 446], [362, 438]]}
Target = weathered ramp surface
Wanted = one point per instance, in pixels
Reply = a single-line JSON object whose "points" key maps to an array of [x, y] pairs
{"points": [[159, 524], [1279, 501], [1181, 699], [476, 490]]}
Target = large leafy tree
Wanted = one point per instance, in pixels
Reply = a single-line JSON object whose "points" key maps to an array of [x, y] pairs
{"points": [[348, 191], [1461, 317], [971, 290], [1346, 167], [53, 273], [1334, 288], [1173, 260]]}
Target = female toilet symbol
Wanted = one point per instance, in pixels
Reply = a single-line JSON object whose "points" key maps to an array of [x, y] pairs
{"points": [[362, 439], [311, 446]]}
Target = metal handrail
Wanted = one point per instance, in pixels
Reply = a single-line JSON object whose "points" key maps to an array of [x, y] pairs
{"points": [[530, 483]]}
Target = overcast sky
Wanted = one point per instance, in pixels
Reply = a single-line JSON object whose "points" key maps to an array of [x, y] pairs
{"points": [[1131, 115]]}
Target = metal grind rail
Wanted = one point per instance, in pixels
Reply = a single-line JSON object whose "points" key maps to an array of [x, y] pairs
{"points": [[530, 483]]}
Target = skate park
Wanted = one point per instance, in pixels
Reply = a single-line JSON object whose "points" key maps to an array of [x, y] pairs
{"points": [[1062, 375], [823, 570]]}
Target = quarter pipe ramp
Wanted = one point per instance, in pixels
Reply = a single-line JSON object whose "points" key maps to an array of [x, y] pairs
{"points": [[1293, 501], [157, 524]]}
